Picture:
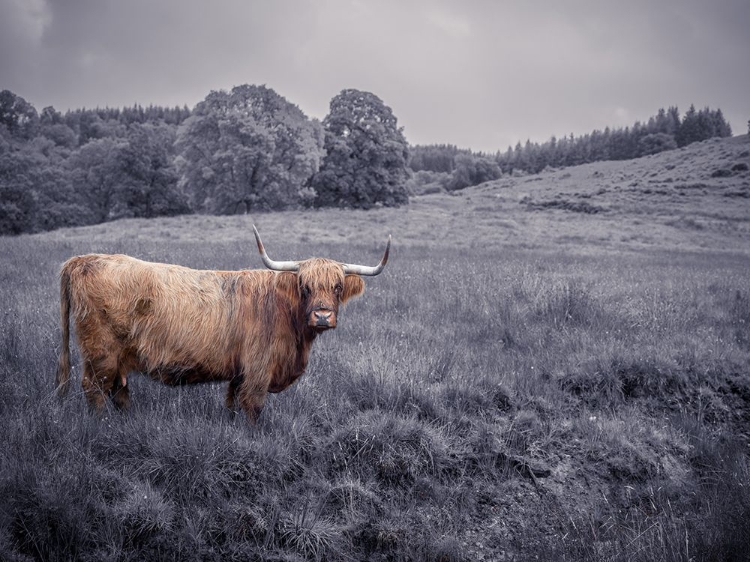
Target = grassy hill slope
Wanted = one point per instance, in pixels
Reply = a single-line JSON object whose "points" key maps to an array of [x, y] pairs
{"points": [[667, 201]]}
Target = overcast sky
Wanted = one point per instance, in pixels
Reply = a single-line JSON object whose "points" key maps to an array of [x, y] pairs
{"points": [[481, 74]]}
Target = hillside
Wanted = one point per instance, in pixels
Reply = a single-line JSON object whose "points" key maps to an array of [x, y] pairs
{"points": [[672, 200], [551, 367]]}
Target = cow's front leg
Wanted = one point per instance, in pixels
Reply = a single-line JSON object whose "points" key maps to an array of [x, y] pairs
{"points": [[234, 386], [252, 396]]}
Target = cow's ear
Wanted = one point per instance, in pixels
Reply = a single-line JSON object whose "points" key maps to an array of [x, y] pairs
{"points": [[287, 285], [353, 287]]}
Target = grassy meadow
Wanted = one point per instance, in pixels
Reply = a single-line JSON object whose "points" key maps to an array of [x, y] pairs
{"points": [[551, 367]]}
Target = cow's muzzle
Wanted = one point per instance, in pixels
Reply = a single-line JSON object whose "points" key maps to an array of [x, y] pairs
{"points": [[322, 319]]}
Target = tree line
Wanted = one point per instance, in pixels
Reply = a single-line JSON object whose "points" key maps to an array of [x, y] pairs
{"points": [[453, 168], [250, 149], [245, 150]]}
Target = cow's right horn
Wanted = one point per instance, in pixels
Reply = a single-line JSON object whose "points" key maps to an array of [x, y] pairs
{"points": [[270, 264], [350, 268]]}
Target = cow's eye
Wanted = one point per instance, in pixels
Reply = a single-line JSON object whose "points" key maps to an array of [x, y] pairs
{"points": [[338, 288], [306, 291]]}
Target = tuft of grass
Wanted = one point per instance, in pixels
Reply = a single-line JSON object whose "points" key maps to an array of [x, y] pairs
{"points": [[143, 514], [393, 450], [309, 534]]}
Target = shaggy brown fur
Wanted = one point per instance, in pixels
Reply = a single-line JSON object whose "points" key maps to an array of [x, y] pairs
{"points": [[252, 328]]}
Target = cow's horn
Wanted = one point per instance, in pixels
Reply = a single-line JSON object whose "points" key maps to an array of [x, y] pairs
{"points": [[270, 264], [367, 270]]}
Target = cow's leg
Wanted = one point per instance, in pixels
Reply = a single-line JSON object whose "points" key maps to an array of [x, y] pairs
{"points": [[234, 385], [99, 374], [252, 396], [120, 393]]}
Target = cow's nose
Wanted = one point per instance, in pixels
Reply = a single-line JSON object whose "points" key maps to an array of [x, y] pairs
{"points": [[323, 319]]}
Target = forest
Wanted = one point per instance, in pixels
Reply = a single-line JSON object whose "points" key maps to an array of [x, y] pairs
{"points": [[445, 166], [245, 150], [250, 150]]}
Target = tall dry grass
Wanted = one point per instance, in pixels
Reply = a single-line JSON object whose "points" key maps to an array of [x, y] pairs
{"points": [[473, 402]]}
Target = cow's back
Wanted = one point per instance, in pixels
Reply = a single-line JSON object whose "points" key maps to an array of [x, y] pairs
{"points": [[166, 315]]}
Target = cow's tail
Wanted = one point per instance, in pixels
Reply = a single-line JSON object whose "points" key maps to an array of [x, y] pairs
{"points": [[63, 363]]}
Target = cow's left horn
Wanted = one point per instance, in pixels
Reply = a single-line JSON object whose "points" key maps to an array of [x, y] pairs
{"points": [[367, 270], [270, 264]]}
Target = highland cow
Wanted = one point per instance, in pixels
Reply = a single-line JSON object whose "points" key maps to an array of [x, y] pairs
{"points": [[252, 328]]}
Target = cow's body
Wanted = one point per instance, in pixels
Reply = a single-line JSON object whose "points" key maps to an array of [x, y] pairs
{"points": [[253, 328]]}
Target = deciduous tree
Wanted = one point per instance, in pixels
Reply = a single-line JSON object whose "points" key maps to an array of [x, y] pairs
{"points": [[17, 115], [366, 154], [97, 175], [148, 176], [247, 149], [473, 169], [655, 143]]}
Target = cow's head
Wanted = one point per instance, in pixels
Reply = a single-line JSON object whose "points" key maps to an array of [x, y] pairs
{"points": [[322, 284]]}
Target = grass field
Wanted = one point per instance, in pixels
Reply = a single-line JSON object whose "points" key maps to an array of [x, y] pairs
{"points": [[532, 377]]}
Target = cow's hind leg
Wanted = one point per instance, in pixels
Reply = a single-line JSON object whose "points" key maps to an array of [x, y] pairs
{"points": [[120, 393], [99, 375]]}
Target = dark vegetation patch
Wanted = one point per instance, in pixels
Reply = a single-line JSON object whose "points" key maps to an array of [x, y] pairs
{"points": [[687, 223], [743, 193], [692, 185], [734, 170], [563, 204]]}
